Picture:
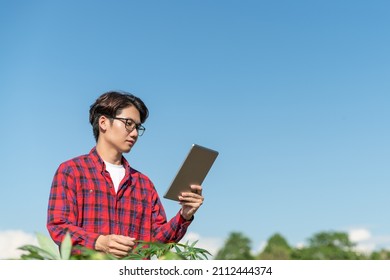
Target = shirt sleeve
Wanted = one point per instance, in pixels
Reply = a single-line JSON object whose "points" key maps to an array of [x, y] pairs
{"points": [[163, 231], [62, 210]]}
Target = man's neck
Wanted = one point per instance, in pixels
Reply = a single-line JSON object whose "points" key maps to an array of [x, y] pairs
{"points": [[109, 154]]}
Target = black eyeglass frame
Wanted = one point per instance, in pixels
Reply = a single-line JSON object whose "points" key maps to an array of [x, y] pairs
{"points": [[130, 125]]}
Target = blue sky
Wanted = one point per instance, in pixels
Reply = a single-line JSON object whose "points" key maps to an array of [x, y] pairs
{"points": [[294, 95]]}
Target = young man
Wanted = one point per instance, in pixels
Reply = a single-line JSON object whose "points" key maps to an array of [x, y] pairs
{"points": [[101, 200]]}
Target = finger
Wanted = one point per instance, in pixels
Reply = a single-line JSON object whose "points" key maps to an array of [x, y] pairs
{"points": [[118, 253], [196, 189], [191, 208], [191, 194], [121, 247], [121, 243], [122, 240], [190, 200], [125, 240], [118, 250]]}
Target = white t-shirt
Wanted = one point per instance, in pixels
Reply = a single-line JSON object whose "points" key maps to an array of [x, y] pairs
{"points": [[117, 172]]}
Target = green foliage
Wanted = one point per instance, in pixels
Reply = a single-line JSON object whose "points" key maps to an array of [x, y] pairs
{"points": [[324, 245], [277, 248], [237, 247], [168, 251], [48, 250], [380, 255], [321, 246], [190, 252], [328, 246]]}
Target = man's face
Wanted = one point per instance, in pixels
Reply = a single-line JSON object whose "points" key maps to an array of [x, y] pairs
{"points": [[118, 135]]}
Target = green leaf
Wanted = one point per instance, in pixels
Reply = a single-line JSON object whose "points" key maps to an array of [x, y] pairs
{"points": [[178, 250], [170, 256], [36, 253], [66, 247], [48, 245]]}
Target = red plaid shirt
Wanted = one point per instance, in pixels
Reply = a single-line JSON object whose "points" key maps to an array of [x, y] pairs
{"points": [[83, 202]]}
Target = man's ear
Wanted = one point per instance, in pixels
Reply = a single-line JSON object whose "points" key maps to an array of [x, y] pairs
{"points": [[103, 123]]}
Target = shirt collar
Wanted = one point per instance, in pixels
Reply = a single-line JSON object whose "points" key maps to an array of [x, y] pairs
{"points": [[100, 163]]}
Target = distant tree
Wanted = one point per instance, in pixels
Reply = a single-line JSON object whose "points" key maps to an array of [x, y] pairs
{"points": [[277, 248], [380, 255], [236, 247], [327, 246]]}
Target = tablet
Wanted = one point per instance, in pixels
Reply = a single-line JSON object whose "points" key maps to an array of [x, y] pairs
{"points": [[192, 171]]}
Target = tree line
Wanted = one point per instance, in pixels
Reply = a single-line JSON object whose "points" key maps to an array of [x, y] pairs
{"points": [[326, 245]]}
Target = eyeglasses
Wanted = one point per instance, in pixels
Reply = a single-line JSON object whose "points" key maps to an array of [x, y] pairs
{"points": [[131, 125]]}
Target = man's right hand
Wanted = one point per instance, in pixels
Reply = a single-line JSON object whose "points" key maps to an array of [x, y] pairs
{"points": [[116, 245]]}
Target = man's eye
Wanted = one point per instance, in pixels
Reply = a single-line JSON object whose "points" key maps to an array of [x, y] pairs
{"points": [[129, 123]]}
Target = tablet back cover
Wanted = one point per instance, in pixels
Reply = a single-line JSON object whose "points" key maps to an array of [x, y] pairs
{"points": [[193, 171]]}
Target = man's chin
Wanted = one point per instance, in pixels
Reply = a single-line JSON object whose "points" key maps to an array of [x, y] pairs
{"points": [[126, 150]]}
